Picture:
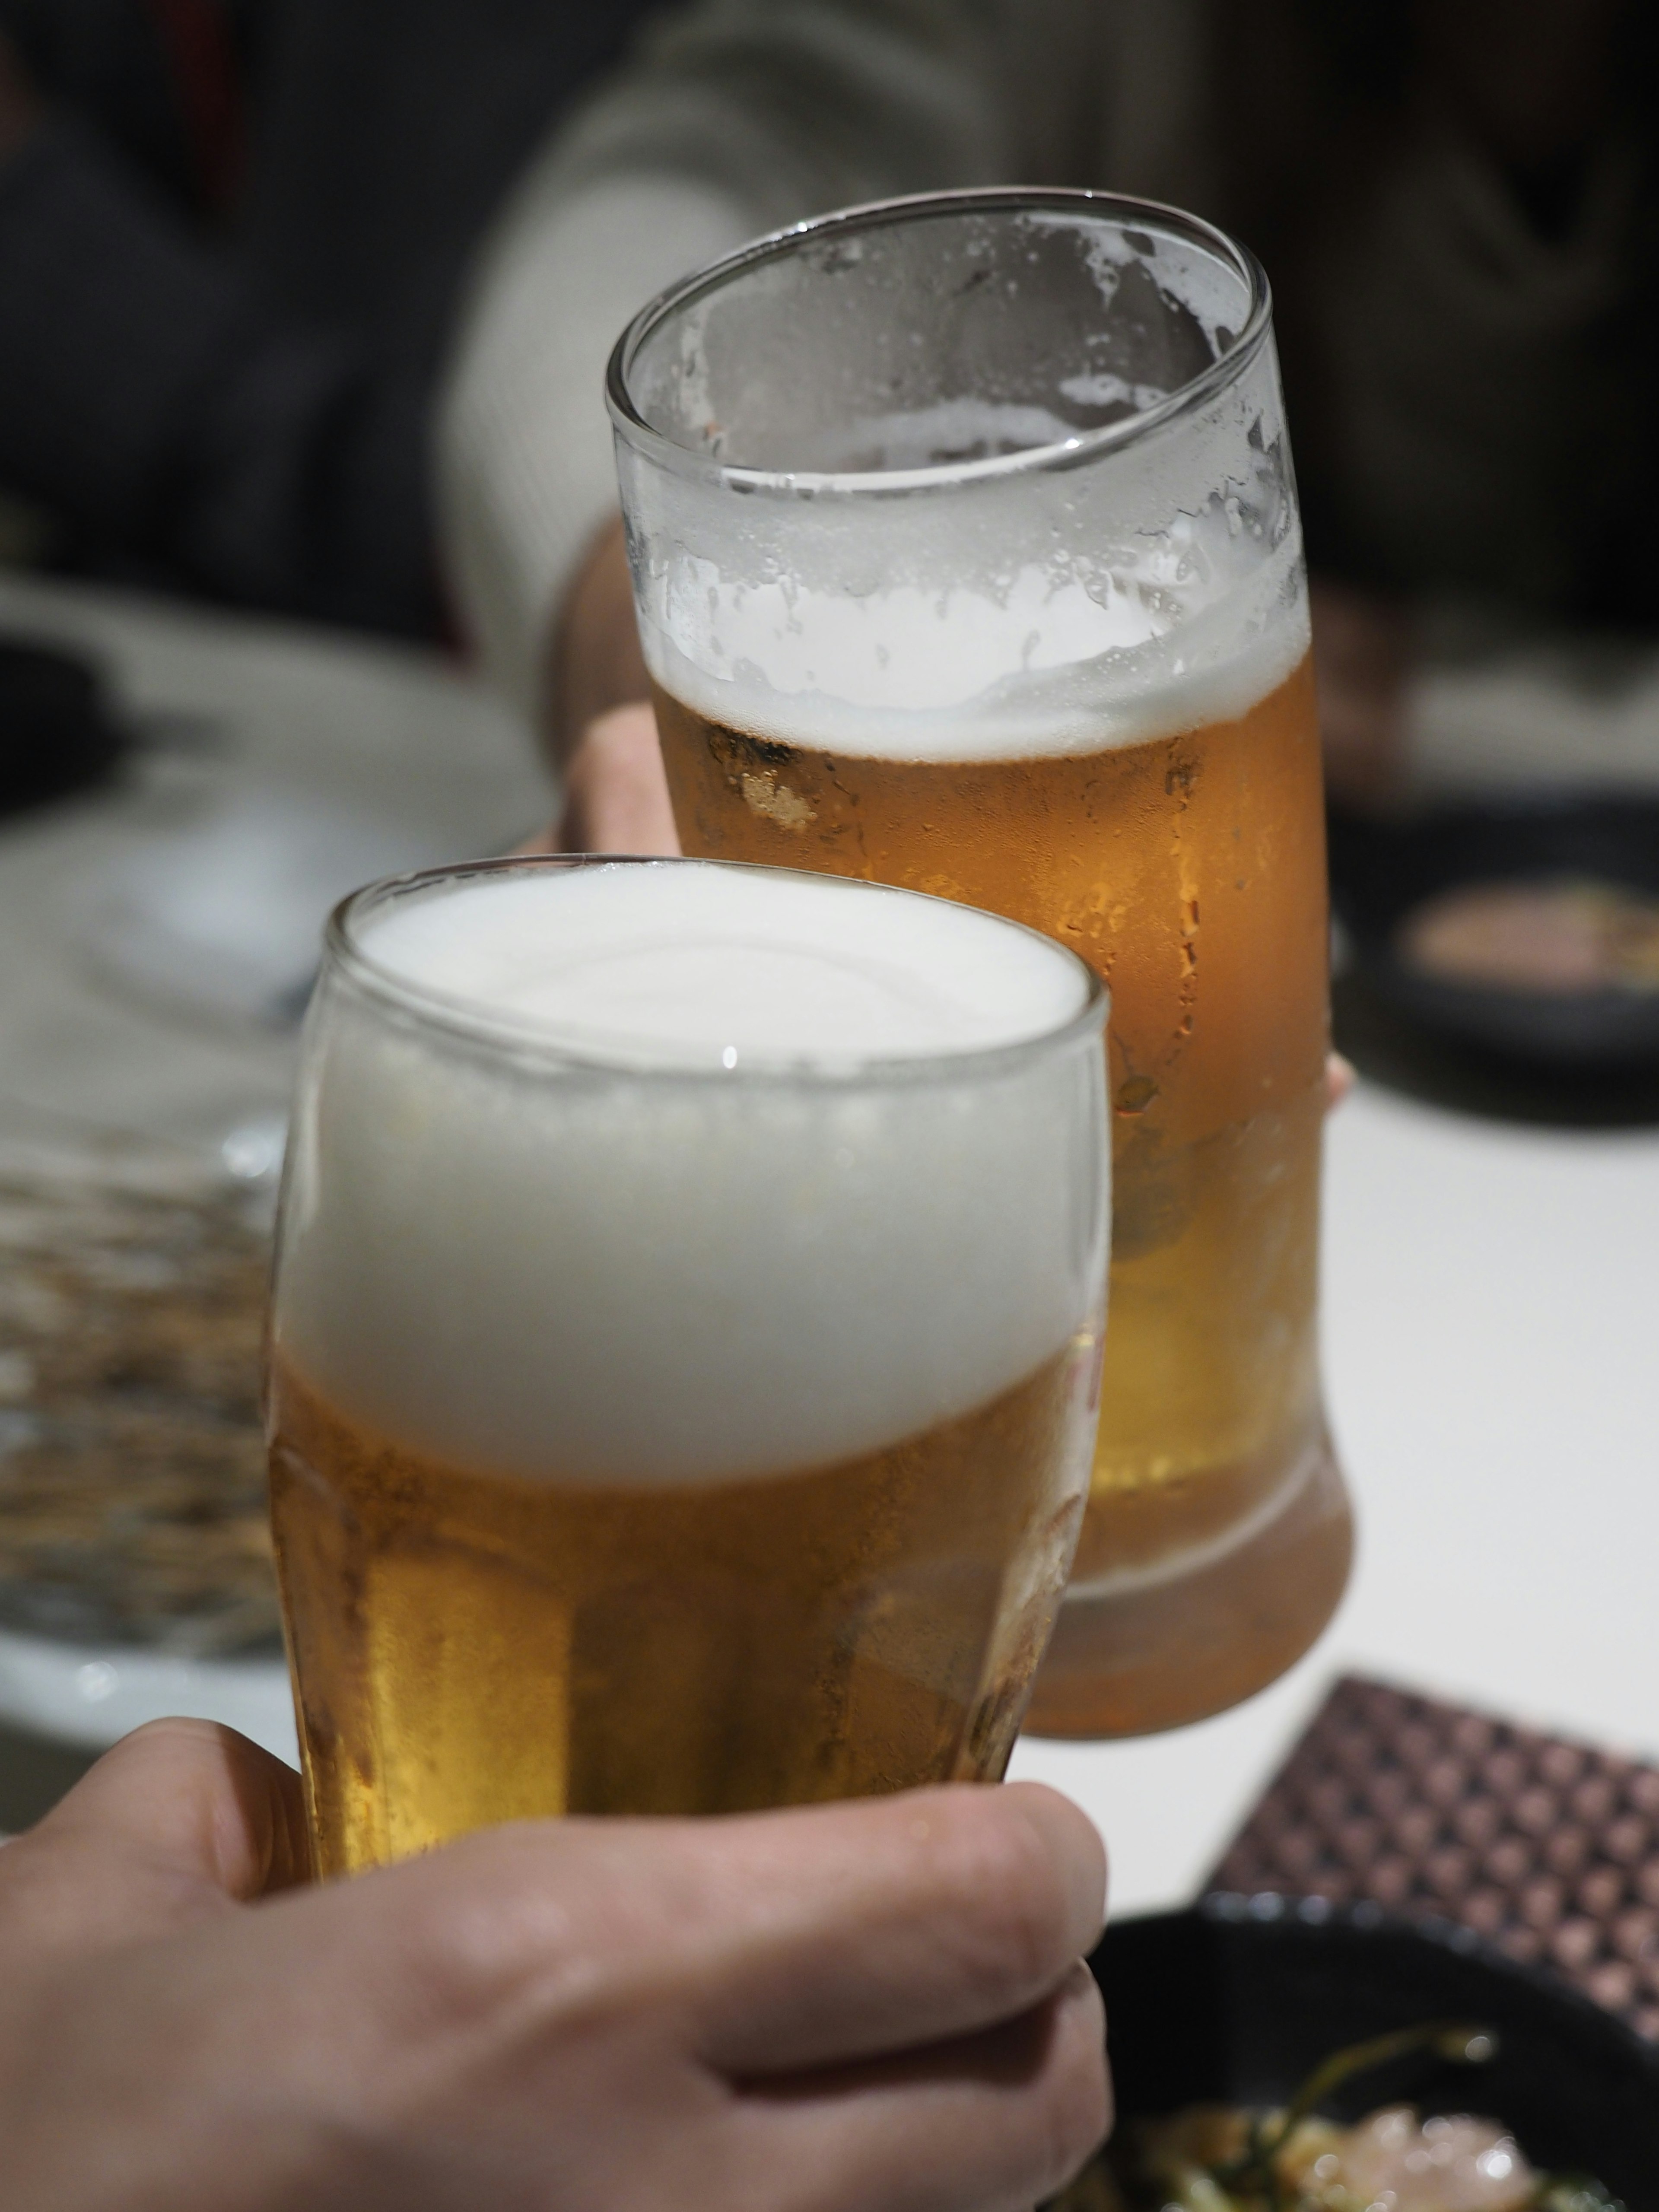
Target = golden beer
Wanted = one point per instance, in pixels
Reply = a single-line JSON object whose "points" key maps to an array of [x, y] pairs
{"points": [[474, 1648], [685, 1343], [966, 558], [1189, 872]]}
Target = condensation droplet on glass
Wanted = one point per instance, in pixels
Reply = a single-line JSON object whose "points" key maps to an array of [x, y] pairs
{"points": [[252, 1151], [1135, 1094], [97, 1680]]}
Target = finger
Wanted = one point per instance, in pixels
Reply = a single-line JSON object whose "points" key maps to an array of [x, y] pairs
{"points": [[1338, 1080], [766, 1943], [182, 1818], [777, 1941], [616, 793], [990, 2122], [839, 1932]]}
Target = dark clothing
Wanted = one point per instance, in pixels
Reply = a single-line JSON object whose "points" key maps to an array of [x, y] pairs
{"points": [[229, 263]]}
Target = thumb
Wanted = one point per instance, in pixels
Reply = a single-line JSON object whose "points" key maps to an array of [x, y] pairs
{"points": [[182, 1818]]}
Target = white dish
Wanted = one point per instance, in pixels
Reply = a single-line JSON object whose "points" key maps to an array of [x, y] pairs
{"points": [[94, 1694]]}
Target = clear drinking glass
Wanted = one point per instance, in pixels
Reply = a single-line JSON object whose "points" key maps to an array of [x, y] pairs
{"points": [[966, 554], [684, 1343]]}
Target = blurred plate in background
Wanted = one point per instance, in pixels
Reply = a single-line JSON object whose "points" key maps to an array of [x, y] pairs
{"points": [[1556, 861], [224, 917], [57, 733]]}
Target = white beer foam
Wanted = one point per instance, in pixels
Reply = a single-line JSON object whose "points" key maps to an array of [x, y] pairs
{"points": [[864, 573], [712, 966], [1038, 663], [558, 1266]]}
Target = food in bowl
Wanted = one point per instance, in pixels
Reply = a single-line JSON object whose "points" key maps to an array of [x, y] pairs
{"points": [[1561, 934], [1228, 2158]]}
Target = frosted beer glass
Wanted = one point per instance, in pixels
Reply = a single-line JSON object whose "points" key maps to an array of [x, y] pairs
{"points": [[966, 554], [685, 1341]]}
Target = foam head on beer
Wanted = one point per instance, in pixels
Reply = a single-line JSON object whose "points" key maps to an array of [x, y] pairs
{"points": [[1065, 606], [663, 1173]]}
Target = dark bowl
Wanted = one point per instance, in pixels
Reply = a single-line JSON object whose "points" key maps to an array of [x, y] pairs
{"points": [[57, 732], [1380, 869], [1238, 2001]]}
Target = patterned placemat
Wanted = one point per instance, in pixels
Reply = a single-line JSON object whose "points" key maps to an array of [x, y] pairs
{"points": [[1548, 1848], [132, 1469]]}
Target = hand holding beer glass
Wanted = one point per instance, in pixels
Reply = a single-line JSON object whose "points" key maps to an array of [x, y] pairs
{"points": [[684, 1343], [966, 556]]}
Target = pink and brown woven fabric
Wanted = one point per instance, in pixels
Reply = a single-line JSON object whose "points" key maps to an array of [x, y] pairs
{"points": [[1547, 1847]]}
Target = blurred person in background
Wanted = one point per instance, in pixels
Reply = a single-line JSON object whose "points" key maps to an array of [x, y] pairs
{"points": [[231, 237], [1458, 205]]}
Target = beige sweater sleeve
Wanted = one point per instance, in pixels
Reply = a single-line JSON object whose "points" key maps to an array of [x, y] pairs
{"points": [[736, 116], [526, 476]]}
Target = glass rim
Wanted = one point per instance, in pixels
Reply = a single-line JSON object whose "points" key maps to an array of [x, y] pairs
{"points": [[536, 1044], [870, 215]]}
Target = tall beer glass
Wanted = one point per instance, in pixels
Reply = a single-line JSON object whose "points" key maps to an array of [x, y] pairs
{"points": [[966, 555], [685, 1345]]}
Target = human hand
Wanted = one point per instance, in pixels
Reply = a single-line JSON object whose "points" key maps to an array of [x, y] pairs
{"points": [[616, 795], [876, 2006], [601, 731]]}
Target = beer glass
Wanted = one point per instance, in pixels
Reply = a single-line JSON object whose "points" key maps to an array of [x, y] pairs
{"points": [[684, 1343], [966, 556]]}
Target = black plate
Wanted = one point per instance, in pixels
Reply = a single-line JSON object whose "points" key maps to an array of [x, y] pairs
{"points": [[1237, 2002], [56, 733], [1380, 870]]}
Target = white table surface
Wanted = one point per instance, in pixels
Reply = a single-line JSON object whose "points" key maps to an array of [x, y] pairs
{"points": [[282, 767], [1492, 1357], [1492, 1293]]}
